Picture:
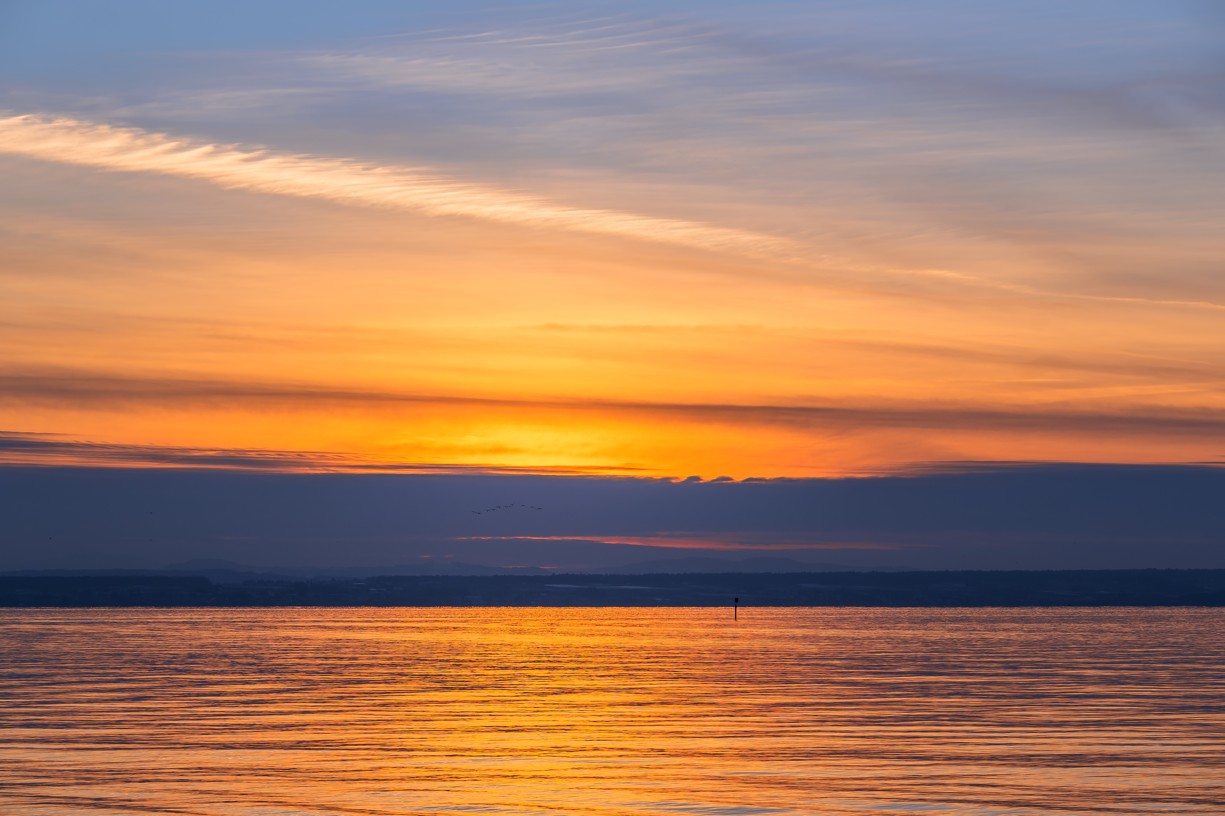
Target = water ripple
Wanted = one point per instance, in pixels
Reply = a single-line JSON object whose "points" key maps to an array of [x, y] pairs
{"points": [[611, 712]]}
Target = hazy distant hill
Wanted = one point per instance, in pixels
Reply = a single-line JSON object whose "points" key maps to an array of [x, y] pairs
{"points": [[230, 572], [706, 564]]}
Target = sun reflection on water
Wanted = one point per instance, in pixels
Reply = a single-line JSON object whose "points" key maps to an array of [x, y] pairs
{"points": [[611, 711]]}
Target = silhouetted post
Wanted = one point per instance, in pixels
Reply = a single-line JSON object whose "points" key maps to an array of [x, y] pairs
{"points": [[735, 609]]}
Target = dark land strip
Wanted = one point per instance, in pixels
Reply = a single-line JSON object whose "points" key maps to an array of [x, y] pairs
{"points": [[1094, 588]]}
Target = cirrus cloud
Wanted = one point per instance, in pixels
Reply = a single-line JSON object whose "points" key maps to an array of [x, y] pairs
{"points": [[343, 180]]}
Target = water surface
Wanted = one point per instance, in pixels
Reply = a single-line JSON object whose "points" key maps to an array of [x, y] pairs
{"points": [[272, 712]]}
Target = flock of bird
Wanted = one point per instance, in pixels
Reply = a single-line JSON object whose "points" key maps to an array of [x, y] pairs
{"points": [[505, 507]]}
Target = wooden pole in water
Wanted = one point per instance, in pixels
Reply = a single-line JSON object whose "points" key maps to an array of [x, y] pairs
{"points": [[735, 609]]}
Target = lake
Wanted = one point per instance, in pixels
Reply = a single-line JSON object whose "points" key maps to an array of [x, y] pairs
{"points": [[663, 711]]}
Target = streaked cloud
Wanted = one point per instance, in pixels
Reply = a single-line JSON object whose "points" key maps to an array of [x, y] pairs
{"points": [[95, 392], [346, 181], [54, 450]]}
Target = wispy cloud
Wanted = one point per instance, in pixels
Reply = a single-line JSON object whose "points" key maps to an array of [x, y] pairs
{"points": [[342, 180], [984, 160], [739, 541], [753, 68], [620, 56]]}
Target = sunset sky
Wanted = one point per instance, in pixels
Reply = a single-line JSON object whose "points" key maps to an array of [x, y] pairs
{"points": [[583, 242]]}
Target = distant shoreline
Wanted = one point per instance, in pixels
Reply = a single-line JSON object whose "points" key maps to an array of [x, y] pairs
{"points": [[937, 589]]}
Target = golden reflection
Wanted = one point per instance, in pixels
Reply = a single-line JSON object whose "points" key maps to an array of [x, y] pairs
{"points": [[609, 711]]}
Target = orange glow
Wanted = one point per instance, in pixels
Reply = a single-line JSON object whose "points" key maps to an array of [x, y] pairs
{"points": [[364, 338]]}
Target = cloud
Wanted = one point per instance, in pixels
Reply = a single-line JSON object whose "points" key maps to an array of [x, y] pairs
{"points": [[887, 154], [675, 52], [614, 58], [341, 180], [88, 391], [47, 449]]}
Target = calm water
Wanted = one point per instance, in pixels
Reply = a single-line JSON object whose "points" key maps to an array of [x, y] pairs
{"points": [[612, 711]]}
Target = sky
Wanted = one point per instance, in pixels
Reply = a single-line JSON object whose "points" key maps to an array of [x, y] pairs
{"points": [[525, 249]]}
